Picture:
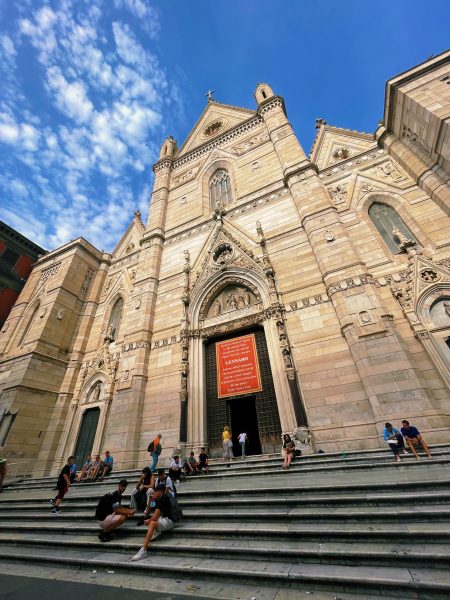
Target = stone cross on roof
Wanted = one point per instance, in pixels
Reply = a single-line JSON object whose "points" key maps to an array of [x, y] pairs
{"points": [[209, 95]]}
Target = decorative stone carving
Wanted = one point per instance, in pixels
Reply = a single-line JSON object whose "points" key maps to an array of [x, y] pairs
{"points": [[287, 359], [365, 317], [250, 143], [403, 242], [87, 281], [367, 187], [96, 392], [231, 298], [60, 314], [49, 271], [341, 153], [223, 254], [185, 176], [339, 194], [388, 170], [429, 275], [43, 312]]}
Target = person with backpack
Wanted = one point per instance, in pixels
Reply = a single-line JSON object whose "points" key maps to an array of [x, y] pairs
{"points": [[166, 514], [154, 448], [155, 482], [110, 514]]}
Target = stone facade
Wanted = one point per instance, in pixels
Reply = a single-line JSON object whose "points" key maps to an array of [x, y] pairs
{"points": [[356, 333]]}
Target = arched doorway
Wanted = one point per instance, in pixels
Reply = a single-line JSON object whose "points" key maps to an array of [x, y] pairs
{"points": [[86, 435]]}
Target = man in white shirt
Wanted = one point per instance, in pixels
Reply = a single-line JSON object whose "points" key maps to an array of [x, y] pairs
{"points": [[243, 440]]}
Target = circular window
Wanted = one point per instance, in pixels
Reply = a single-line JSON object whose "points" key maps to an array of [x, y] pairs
{"points": [[213, 128]]}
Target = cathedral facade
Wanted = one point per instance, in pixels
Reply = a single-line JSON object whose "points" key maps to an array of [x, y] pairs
{"points": [[269, 290]]}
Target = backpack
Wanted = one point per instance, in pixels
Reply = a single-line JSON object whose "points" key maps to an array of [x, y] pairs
{"points": [[175, 510], [103, 507], [151, 447]]}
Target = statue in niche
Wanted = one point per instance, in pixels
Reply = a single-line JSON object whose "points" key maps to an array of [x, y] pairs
{"points": [[217, 307], [287, 359], [96, 392], [231, 302], [247, 299], [184, 354], [281, 329], [109, 337]]}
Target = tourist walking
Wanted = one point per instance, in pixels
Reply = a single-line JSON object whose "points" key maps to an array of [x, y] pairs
{"points": [[395, 440], [62, 485], [414, 438], [289, 450], [154, 448], [110, 514], [227, 444], [243, 441]]}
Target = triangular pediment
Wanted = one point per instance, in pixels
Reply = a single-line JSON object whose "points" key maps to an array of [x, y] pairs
{"points": [[226, 248], [129, 242], [334, 145], [214, 121]]}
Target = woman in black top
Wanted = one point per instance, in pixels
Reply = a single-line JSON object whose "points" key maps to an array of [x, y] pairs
{"points": [[289, 450]]}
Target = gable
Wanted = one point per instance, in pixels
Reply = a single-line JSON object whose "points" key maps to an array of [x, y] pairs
{"points": [[334, 145], [129, 242], [214, 121]]}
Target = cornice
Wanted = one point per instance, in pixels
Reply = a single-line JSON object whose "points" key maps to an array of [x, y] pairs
{"points": [[354, 163]]}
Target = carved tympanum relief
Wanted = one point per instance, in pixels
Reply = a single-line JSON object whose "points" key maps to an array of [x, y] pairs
{"points": [[230, 299], [440, 312]]}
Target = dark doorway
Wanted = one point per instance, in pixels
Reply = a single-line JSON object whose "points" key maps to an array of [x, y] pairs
{"points": [[243, 419], [86, 436]]}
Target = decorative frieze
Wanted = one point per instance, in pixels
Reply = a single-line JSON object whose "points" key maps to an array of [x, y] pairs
{"points": [[352, 282], [351, 165], [250, 143], [134, 345], [50, 271]]}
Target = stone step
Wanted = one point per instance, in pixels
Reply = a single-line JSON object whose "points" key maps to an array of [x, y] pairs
{"points": [[296, 468], [318, 531], [381, 499], [439, 513], [430, 555], [429, 583]]}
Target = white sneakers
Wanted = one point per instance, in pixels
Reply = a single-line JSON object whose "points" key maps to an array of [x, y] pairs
{"points": [[142, 553]]}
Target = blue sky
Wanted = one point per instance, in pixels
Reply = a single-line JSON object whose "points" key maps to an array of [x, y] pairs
{"points": [[90, 88]]}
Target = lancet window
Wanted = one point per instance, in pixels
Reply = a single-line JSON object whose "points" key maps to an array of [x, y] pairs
{"points": [[28, 326], [389, 226], [114, 320], [220, 189]]}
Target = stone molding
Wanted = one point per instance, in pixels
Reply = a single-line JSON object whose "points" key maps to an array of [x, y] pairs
{"points": [[352, 282], [353, 164]]}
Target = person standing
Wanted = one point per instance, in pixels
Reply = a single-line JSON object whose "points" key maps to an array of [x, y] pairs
{"points": [[62, 485], [203, 461], [155, 450], [413, 438], [243, 441], [395, 440], [227, 444]]}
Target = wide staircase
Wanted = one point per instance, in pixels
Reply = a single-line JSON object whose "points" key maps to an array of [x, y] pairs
{"points": [[350, 525]]}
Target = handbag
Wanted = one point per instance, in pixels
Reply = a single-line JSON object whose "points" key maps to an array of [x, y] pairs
{"points": [[229, 443]]}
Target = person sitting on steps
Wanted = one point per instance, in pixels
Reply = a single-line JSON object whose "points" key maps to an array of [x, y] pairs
{"points": [[191, 466], [169, 490], [160, 521], [395, 440], [289, 450], [85, 469], [413, 438], [140, 496], [175, 469], [107, 466], [94, 469], [110, 514]]}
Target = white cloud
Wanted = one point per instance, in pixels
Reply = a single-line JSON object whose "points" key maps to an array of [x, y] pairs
{"points": [[145, 13], [7, 46], [24, 135], [127, 47], [71, 98]]}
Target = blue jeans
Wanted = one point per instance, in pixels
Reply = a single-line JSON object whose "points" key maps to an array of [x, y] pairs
{"points": [[155, 458], [243, 449]]}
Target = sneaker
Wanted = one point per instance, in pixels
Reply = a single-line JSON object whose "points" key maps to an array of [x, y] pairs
{"points": [[142, 553], [398, 459], [52, 501], [55, 511], [405, 451], [104, 537]]}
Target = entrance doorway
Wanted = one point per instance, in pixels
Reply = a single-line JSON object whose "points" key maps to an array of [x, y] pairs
{"points": [[86, 436], [243, 419]]}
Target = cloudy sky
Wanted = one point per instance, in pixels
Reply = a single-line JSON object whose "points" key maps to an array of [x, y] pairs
{"points": [[90, 88]]}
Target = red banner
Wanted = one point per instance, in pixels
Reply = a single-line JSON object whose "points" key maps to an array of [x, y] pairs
{"points": [[237, 367]]}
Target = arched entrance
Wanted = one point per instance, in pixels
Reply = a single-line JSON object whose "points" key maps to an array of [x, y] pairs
{"points": [[237, 402], [86, 435]]}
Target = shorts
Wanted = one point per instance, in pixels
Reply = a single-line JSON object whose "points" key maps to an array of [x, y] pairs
{"points": [[110, 520], [164, 524], [62, 492]]}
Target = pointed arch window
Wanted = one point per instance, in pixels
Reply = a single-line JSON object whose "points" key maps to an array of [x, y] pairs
{"points": [[28, 326], [387, 222], [220, 189], [114, 320]]}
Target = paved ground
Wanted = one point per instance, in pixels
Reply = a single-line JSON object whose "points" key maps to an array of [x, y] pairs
{"points": [[30, 588]]}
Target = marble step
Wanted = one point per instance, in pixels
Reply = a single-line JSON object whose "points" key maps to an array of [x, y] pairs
{"points": [[435, 556], [403, 581], [408, 533]]}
